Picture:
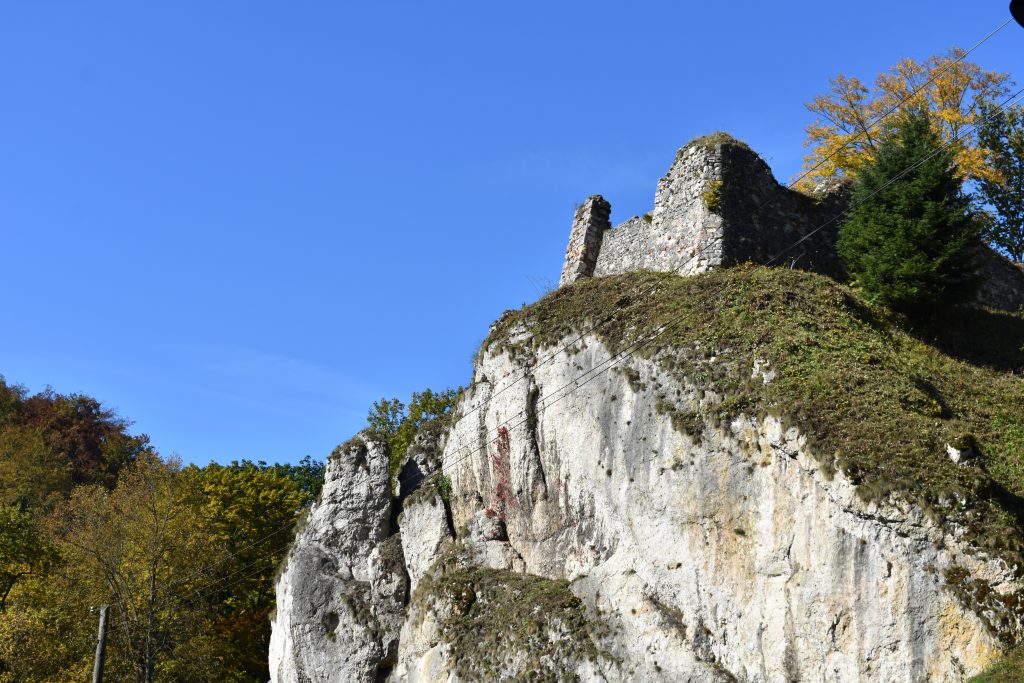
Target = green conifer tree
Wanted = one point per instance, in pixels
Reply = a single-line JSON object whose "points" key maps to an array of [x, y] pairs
{"points": [[910, 236]]}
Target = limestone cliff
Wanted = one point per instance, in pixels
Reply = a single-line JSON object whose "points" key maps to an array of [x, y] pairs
{"points": [[341, 595], [747, 475]]}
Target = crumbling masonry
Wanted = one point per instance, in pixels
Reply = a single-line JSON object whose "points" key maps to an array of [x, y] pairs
{"points": [[720, 205]]}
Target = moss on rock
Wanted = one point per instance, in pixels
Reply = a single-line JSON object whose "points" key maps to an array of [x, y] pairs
{"points": [[507, 626]]}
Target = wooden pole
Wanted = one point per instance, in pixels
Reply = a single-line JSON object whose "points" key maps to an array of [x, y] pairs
{"points": [[101, 641]]}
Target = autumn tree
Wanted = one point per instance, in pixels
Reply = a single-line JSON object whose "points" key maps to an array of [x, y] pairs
{"points": [[46, 632], [187, 557], [909, 238], [23, 551], [853, 118], [51, 442], [250, 509], [144, 549], [1001, 132]]}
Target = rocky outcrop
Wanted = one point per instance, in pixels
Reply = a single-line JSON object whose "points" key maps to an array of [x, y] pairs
{"points": [[424, 522], [341, 595], [596, 515], [722, 552]]}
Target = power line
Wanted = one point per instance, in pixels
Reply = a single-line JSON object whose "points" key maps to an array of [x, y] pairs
{"points": [[898, 105], [770, 261], [561, 392], [570, 387], [701, 250], [900, 175], [606, 365], [889, 183]]}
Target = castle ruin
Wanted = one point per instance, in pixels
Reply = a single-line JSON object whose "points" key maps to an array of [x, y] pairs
{"points": [[720, 205]]}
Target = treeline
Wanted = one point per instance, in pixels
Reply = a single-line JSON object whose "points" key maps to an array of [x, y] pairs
{"points": [[185, 556]]}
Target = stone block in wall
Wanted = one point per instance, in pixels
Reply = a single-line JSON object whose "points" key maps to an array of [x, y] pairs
{"points": [[622, 245]]}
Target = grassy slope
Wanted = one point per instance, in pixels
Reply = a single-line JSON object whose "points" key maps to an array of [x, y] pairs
{"points": [[878, 399]]}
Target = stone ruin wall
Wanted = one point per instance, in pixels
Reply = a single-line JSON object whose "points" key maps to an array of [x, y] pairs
{"points": [[683, 235], [589, 224], [720, 205]]}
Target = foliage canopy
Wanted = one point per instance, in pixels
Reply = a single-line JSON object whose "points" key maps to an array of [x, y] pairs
{"points": [[392, 422], [186, 557], [852, 118], [51, 442]]}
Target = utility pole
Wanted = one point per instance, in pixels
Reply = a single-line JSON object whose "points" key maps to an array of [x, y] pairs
{"points": [[101, 641]]}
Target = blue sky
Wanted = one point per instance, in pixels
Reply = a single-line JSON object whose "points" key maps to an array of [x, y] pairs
{"points": [[239, 223]]}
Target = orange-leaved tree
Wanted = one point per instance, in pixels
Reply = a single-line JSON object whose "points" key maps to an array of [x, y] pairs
{"points": [[852, 118]]}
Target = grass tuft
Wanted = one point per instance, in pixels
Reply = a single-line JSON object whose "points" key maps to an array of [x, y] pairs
{"points": [[713, 140]]}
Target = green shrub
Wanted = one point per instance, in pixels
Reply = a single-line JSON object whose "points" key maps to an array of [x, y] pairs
{"points": [[713, 196], [444, 487], [396, 424]]}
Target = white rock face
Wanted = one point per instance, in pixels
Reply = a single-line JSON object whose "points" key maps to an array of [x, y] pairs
{"points": [[340, 600], [425, 532], [723, 553]]}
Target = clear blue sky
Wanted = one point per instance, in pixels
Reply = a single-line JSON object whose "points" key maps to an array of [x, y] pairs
{"points": [[239, 223]]}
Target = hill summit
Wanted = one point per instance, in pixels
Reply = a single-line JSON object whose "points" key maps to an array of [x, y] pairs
{"points": [[738, 473]]}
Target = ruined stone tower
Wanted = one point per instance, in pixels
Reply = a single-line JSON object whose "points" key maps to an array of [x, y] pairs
{"points": [[588, 226]]}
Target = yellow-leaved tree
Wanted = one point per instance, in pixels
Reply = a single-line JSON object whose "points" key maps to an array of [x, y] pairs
{"points": [[852, 118]]}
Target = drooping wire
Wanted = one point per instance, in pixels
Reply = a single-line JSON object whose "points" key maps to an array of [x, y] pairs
{"points": [[585, 378], [525, 413], [700, 251]]}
